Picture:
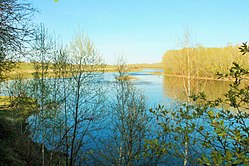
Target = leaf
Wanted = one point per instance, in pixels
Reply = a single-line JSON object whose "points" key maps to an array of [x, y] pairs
{"points": [[201, 128], [244, 48], [238, 161], [56, 0], [205, 160], [211, 113], [228, 155]]}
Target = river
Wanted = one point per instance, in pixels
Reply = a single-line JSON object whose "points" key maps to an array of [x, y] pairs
{"points": [[157, 89]]}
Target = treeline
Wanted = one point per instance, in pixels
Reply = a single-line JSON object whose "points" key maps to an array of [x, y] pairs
{"points": [[200, 61], [147, 65]]}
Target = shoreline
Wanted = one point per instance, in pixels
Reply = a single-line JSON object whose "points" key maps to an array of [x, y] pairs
{"points": [[16, 146], [28, 74], [202, 78]]}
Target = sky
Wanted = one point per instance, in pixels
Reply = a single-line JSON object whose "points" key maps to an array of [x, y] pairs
{"points": [[143, 30]]}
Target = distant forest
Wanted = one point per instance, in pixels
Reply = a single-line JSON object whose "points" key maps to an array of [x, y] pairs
{"points": [[200, 61]]}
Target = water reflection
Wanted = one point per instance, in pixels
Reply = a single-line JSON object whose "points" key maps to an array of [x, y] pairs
{"points": [[159, 89], [177, 87]]}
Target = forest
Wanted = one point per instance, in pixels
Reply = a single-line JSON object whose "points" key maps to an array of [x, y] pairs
{"points": [[60, 104], [202, 62]]}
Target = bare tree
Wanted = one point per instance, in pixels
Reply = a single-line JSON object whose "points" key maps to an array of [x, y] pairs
{"points": [[61, 86], [15, 31], [187, 51], [87, 98], [129, 123], [42, 49]]}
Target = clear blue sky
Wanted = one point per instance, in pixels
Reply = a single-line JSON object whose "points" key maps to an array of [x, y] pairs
{"points": [[142, 30]]}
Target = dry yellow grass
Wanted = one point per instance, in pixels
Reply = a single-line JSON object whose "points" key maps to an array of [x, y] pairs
{"points": [[4, 101], [25, 70]]}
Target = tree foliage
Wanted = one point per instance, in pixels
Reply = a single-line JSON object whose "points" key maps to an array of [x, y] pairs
{"points": [[217, 134]]}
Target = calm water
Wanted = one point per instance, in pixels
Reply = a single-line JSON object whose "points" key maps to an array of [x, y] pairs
{"points": [[162, 89], [158, 89]]}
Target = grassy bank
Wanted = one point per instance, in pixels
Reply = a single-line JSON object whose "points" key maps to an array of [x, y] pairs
{"points": [[16, 147], [26, 70]]}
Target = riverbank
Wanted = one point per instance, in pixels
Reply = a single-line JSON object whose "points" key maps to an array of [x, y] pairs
{"points": [[202, 78], [25, 70], [16, 146]]}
